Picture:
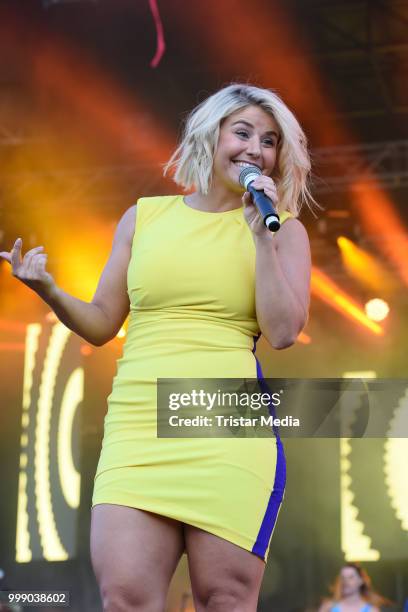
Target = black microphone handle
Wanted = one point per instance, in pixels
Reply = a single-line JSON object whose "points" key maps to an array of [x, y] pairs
{"points": [[265, 207]]}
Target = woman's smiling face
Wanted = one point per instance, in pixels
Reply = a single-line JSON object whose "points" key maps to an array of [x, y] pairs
{"points": [[248, 136]]}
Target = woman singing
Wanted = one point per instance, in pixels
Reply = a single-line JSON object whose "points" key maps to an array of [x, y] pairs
{"points": [[202, 278]]}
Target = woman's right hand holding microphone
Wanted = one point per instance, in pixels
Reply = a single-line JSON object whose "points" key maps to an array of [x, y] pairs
{"points": [[30, 269]]}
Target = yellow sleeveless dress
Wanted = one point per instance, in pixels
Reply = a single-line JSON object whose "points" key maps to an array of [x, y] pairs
{"points": [[191, 285]]}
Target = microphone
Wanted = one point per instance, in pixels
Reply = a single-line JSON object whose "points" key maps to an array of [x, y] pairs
{"points": [[262, 202]]}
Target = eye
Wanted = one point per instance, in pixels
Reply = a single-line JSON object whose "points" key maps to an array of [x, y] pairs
{"points": [[242, 133], [270, 142]]}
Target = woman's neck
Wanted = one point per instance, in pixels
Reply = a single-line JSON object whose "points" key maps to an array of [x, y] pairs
{"points": [[216, 200], [353, 599]]}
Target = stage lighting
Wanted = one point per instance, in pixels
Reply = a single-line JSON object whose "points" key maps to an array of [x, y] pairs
{"points": [[121, 333], [365, 267], [376, 309], [49, 476]]}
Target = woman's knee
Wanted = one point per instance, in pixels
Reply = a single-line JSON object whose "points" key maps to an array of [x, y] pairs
{"points": [[234, 598], [224, 576], [119, 596]]}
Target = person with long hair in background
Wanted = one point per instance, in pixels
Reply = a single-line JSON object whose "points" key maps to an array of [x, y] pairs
{"points": [[202, 278], [352, 591]]}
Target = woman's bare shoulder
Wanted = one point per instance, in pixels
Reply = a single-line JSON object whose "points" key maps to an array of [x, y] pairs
{"points": [[292, 225], [126, 227]]}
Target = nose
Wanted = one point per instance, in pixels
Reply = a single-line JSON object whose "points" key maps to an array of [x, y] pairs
{"points": [[254, 147]]}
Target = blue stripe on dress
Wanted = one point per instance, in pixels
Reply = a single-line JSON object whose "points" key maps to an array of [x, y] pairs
{"points": [[275, 499]]}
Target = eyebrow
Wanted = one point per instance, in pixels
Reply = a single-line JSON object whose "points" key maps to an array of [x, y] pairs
{"points": [[250, 125]]}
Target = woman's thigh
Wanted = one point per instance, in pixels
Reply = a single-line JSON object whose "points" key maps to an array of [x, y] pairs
{"points": [[134, 555], [224, 576]]}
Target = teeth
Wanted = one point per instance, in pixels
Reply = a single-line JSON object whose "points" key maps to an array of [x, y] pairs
{"points": [[243, 164]]}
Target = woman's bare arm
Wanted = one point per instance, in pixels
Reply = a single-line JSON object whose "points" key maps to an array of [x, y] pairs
{"points": [[97, 321], [283, 266], [111, 293]]}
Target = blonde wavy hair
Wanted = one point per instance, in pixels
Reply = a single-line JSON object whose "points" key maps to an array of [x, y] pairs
{"points": [[192, 161]]}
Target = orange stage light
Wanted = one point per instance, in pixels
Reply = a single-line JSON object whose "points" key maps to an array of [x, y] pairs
{"points": [[12, 326], [382, 222], [121, 333], [86, 349], [325, 289], [53, 66], [12, 346], [366, 268], [304, 338]]}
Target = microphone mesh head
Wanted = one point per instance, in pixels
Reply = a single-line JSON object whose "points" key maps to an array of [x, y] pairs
{"points": [[247, 175]]}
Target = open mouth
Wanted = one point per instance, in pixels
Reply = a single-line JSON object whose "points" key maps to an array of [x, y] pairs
{"points": [[243, 164]]}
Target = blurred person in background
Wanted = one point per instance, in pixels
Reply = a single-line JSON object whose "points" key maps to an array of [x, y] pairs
{"points": [[352, 592]]}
